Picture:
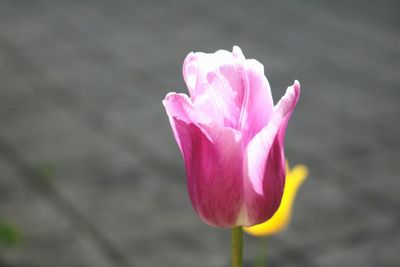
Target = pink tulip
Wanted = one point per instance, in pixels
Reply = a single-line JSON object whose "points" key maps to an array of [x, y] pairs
{"points": [[231, 137]]}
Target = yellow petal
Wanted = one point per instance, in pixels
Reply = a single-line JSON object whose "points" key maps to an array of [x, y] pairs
{"points": [[279, 221]]}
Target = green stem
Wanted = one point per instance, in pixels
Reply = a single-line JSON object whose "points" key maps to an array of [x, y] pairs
{"points": [[237, 247]]}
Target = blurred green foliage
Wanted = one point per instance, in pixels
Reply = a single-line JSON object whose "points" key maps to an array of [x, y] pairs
{"points": [[10, 235], [46, 170]]}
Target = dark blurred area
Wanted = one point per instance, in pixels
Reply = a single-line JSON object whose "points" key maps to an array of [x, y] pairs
{"points": [[90, 174]]}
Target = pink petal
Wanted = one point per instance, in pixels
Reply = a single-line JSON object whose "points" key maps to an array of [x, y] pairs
{"points": [[180, 106], [213, 161], [264, 161], [216, 85], [230, 89], [197, 66], [214, 172], [258, 106]]}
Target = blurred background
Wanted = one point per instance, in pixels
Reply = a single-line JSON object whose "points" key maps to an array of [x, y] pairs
{"points": [[90, 174]]}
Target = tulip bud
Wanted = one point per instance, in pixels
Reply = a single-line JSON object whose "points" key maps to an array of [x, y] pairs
{"points": [[231, 137]]}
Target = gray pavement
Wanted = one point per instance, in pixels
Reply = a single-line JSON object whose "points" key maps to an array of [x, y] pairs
{"points": [[89, 170]]}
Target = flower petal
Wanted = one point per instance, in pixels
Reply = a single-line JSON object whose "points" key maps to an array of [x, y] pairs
{"points": [[197, 66], [264, 161], [214, 172], [216, 84], [258, 105], [213, 160], [179, 106]]}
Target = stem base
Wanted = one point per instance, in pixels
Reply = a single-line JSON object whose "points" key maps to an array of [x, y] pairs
{"points": [[237, 246]]}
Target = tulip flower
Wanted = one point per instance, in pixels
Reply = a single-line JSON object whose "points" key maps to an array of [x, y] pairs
{"points": [[231, 137], [280, 220]]}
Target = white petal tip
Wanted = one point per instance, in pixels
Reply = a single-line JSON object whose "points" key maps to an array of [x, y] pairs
{"points": [[295, 88], [169, 96], [237, 52]]}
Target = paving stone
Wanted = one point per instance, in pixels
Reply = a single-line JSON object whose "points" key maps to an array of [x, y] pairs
{"points": [[49, 236]]}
